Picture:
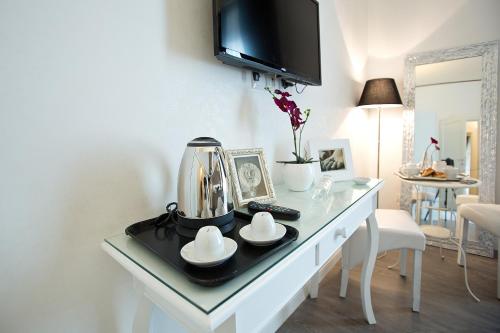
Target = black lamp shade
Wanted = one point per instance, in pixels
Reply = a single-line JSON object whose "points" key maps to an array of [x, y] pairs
{"points": [[380, 93]]}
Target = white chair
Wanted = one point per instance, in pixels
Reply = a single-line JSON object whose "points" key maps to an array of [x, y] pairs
{"points": [[422, 196], [486, 216], [397, 230], [460, 200]]}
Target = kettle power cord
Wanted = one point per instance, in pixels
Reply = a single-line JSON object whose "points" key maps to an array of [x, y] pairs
{"points": [[171, 214]]}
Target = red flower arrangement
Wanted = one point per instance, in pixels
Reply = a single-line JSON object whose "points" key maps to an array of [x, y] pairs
{"points": [[434, 142], [426, 160]]}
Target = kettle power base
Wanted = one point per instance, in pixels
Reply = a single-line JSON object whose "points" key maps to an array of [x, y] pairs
{"points": [[166, 243]]}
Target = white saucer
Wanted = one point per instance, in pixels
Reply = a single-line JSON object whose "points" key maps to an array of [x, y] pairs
{"points": [[188, 254], [246, 234], [361, 180]]}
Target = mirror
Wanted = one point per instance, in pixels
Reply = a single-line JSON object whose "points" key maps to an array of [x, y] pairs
{"points": [[450, 95]]}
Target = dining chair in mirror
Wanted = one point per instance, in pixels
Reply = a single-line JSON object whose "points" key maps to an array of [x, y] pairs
{"points": [[450, 95]]}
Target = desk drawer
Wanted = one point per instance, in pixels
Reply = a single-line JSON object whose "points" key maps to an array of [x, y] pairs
{"points": [[335, 238]]}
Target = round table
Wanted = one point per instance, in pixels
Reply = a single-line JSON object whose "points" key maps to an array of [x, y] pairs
{"points": [[435, 231], [449, 184]]}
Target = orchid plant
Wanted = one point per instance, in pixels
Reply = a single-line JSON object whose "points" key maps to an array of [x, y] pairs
{"points": [[288, 106]]}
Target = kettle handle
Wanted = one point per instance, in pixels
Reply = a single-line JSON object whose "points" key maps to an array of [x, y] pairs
{"points": [[222, 156]]}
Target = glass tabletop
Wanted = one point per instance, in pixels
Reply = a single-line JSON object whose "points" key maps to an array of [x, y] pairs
{"points": [[315, 215]]}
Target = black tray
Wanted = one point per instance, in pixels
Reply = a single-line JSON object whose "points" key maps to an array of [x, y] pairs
{"points": [[166, 243]]}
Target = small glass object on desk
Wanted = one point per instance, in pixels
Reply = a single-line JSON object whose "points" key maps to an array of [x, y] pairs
{"points": [[323, 188]]}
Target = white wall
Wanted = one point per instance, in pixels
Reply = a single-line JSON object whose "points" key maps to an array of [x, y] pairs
{"points": [[436, 103], [397, 28], [460, 70], [97, 101]]}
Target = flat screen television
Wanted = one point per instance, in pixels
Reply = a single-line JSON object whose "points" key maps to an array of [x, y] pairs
{"points": [[270, 36]]}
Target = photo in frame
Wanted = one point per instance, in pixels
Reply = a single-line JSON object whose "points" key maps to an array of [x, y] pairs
{"points": [[334, 156], [250, 176]]}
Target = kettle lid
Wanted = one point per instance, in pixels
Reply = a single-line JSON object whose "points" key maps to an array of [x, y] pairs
{"points": [[204, 142]]}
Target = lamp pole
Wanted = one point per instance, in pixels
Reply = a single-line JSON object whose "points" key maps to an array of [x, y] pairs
{"points": [[378, 151], [378, 143]]}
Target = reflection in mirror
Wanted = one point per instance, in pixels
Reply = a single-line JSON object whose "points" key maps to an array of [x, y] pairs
{"points": [[451, 95], [447, 107]]}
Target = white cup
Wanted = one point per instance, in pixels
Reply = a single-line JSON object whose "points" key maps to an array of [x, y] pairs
{"points": [[412, 172], [411, 165], [263, 225], [410, 169], [209, 244], [439, 166], [451, 172]]}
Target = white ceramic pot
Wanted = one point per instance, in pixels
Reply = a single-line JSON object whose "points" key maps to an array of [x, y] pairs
{"points": [[299, 177]]}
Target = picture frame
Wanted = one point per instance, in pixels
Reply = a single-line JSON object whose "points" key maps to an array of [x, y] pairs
{"points": [[334, 156], [250, 176]]}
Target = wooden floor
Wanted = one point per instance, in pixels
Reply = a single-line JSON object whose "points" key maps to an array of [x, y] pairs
{"points": [[446, 305]]}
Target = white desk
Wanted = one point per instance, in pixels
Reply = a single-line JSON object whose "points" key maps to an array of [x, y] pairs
{"points": [[248, 302]]}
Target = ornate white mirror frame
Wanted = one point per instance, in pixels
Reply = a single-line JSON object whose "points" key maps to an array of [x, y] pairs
{"points": [[488, 118]]}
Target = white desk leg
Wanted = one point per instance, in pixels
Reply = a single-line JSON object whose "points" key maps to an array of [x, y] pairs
{"points": [[344, 279], [368, 265], [314, 282], [142, 315], [463, 241], [229, 326], [144, 309], [314, 286]]}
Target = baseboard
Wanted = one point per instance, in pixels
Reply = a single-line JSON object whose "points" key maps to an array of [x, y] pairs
{"points": [[276, 321]]}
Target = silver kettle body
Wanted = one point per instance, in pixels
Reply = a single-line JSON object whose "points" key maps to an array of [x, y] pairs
{"points": [[203, 188]]}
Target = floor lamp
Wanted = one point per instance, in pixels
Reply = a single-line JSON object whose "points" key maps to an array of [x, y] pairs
{"points": [[380, 94]]}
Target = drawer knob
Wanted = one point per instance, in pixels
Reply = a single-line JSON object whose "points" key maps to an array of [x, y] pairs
{"points": [[342, 232]]}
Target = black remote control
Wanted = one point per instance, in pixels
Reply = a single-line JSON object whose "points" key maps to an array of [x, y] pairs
{"points": [[278, 212]]}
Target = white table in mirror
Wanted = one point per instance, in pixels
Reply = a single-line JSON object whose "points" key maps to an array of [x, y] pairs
{"points": [[448, 99]]}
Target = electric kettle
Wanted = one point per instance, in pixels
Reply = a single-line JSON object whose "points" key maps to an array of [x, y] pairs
{"points": [[203, 188]]}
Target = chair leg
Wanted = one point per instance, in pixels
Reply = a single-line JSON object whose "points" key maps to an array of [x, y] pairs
{"points": [[458, 225], [417, 275], [344, 278], [418, 210], [429, 214], [463, 241], [403, 258], [498, 271]]}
